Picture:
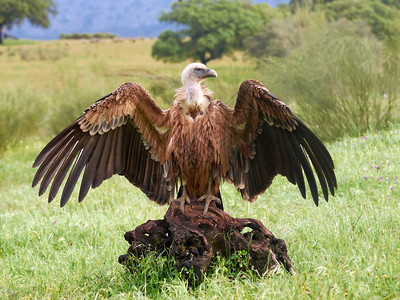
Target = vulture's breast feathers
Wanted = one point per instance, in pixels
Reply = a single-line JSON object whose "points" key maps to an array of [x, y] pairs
{"points": [[200, 141]]}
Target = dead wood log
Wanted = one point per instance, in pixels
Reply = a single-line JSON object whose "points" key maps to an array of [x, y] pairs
{"points": [[194, 240]]}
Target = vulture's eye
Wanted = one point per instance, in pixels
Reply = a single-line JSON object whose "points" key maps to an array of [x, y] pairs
{"points": [[198, 71]]}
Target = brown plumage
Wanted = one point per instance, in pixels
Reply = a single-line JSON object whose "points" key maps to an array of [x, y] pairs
{"points": [[196, 143]]}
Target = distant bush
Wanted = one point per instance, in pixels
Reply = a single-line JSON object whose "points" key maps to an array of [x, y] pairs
{"points": [[87, 36], [284, 34], [342, 81], [76, 94], [52, 53], [29, 110], [11, 53], [163, 89], [21, 111]]}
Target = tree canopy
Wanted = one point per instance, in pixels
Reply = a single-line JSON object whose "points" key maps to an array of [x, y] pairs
{"points": [[13, 12], [210, 28]]}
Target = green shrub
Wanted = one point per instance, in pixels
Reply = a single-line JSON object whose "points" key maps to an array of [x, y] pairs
{"points": [[77, 94], [26, 112], [86, 36], [163, 88], [43, 53], [342, 82], [21, 112]]}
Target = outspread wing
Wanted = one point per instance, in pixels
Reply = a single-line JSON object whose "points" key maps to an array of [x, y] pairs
{"points": [[118, 134], [271, 140]]}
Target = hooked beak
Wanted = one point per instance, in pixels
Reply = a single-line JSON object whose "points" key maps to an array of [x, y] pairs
{"points": [[210, 73]]}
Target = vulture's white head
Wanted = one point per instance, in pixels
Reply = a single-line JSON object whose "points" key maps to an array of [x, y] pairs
{"points": [[192, 76], [195, 73]]}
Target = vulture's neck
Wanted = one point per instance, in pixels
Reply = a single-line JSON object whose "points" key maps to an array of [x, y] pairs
{"points": [[196, 100]]}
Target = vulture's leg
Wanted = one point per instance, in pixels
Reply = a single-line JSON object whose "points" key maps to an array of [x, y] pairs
{"points": [[183, 198], [208, 197]]}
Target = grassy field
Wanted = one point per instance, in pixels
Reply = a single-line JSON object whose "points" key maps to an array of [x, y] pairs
{"points": [[349, 247]]}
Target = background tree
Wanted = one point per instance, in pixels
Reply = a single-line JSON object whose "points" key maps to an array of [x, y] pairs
{"points": [[13, 12], [211, 29]]}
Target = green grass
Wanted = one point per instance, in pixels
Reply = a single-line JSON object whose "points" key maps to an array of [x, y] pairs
{"points": [[347, 247]]}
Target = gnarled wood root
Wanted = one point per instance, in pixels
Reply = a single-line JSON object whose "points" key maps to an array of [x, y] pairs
{"points": [[194, 240]]}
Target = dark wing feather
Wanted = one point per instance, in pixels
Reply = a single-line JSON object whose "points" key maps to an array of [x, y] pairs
{"points": [[116, 135], [282, 144]]}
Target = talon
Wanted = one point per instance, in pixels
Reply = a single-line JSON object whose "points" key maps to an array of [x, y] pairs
{"points": [[182, 200], [208, 198]]}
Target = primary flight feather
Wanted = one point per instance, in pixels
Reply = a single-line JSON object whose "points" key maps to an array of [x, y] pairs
{"points": [[196, 143]]}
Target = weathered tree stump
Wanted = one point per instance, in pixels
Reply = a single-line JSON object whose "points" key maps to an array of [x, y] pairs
{"points": [[194, 240]]}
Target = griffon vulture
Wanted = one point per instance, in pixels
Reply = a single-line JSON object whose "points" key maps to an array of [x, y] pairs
{"points": [[196, 143]]}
